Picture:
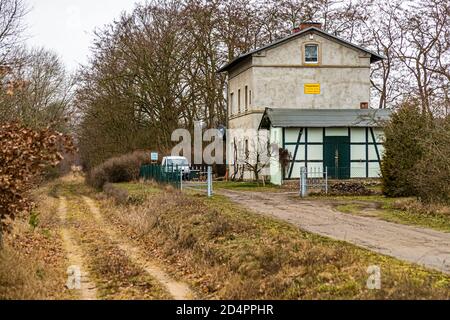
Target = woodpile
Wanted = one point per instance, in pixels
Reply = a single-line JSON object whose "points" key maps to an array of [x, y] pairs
{"points": [[349, 188]]}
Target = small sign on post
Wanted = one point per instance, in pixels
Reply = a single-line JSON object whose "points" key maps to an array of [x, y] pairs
{"points": [[154, 157]]}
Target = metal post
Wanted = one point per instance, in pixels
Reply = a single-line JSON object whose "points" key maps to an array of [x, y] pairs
{"points": [[300, 187], [211, 175], [303, 182], [181, 180], [326, 180], [209, 181]]}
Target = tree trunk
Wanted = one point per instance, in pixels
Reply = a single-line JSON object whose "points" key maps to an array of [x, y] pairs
{"points": [[1, 236]]}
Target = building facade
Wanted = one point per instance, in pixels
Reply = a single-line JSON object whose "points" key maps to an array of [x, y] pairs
{"points": [[308, 70]]}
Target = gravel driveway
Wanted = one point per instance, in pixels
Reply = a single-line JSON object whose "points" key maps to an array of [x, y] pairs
{"points": [[418, 245]]}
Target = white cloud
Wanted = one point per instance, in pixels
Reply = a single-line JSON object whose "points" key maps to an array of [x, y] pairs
{"points": [[66, 26]]}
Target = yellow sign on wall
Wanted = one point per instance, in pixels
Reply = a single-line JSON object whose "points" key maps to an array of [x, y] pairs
{"points": [[312, 88]]}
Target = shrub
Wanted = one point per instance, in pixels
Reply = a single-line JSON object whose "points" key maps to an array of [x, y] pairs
{"points": [[120, 195], [24, 155], [119, 169], [417, 156], [431, 174], [403, 149]]}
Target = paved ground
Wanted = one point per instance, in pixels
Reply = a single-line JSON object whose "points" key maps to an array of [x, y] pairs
{"points": [[423, 246]]}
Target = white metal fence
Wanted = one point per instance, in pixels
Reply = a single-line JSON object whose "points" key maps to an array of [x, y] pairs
{"points": [[313, 179], [202, 180]]}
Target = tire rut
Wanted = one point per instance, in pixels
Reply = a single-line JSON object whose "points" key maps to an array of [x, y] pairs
{"points": [[88, 289], [178, 290]]}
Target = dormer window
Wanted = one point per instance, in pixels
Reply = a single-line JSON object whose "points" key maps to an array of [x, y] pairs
{"points": [[312, 53]]}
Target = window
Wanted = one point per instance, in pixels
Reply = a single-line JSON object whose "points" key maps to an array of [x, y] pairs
{"points": [[177, 162], [246, 98], [239, 101], [231, 103], [312, 53]]}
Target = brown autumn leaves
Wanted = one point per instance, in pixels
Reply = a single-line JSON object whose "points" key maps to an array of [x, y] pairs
{"points": [[24, 154]]}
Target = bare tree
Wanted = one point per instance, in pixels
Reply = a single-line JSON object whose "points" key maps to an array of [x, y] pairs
{"points": [[154, 70], [12, 13], [38, 91], [424, 29], [254, 154]]}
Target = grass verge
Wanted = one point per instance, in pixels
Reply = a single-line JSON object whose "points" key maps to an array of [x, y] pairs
{"points": [[246, 186], [228, 252], [32, 263], [389, 210]]}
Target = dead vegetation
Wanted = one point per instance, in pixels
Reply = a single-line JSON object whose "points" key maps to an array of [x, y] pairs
{"points": [[32, 263], [229, 253], [24, 155], [115, 275], [123, 168], [415, 206]]}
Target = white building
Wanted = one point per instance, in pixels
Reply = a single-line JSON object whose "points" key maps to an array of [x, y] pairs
{"points": [[311, 90]]}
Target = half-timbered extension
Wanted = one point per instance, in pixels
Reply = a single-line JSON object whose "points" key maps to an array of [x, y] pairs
{"points": [[348, 143]]}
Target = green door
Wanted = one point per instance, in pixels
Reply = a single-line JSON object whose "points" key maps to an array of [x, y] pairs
{"points": [[336, 156]]}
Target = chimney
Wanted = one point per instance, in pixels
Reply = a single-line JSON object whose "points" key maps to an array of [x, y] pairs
{"points": [[364, 105], [306, 25]]}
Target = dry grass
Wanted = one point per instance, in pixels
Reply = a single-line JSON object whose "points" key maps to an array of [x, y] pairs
{"points": [[415, 206], [230, 253], [32, 264], [408, 211], [26, 277], [116, 276]]}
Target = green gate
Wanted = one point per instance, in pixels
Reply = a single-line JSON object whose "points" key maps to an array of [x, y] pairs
{"points": [[336, 157], [162, 174]]}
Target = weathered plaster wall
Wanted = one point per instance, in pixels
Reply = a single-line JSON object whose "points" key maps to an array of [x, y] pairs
{"points": [[240, 77], [245, 127]]}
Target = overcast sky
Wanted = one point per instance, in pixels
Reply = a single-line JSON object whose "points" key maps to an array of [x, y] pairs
{"points": [[66, 26]]}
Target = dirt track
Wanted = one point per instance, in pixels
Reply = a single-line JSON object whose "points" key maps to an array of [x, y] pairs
{"points": [[423, 246], [178, 290], [87, 290], [104, 257]]}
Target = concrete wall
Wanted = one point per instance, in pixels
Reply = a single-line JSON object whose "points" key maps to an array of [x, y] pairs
{"points": [[276, 77], [239, 78], [343, 74], [241, 128]]}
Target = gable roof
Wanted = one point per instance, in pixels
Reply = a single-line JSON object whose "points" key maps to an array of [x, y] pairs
{"points": [[374, 57], [301, 118]]}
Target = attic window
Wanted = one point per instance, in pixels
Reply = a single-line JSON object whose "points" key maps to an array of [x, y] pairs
{"points": [[312, 53]]}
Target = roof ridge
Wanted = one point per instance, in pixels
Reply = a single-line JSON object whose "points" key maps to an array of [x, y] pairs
{"points": [[285, 117], [377, 56]]}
